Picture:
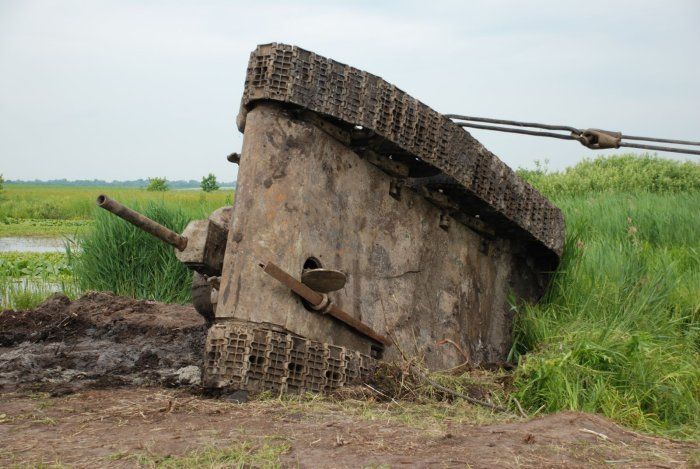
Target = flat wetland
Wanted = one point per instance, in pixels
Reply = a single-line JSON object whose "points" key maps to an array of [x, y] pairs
{"points": [[53, 211], [41, 224], [612, 349]]}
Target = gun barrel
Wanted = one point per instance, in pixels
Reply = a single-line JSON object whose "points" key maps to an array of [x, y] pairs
{"points": [[139, 221]]}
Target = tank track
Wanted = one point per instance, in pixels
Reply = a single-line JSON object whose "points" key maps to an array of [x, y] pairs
{"points": [[253, 357], [394, 123]]}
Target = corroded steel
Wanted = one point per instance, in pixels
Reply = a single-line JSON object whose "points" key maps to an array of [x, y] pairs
{"points": [[595, 139], [423, 237], [418, 269], [254, 357], [320, 302], [323, 280], [379, 115], [140, 221]]}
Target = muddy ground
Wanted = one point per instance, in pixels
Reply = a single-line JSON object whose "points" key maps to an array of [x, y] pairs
{"points": [[100, 340], [109, 381]]}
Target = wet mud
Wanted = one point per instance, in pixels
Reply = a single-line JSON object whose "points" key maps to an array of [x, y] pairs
{"points": [[97, 341]]}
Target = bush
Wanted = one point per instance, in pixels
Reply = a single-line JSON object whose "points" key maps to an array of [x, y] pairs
{"points": [[120, 258], [157, 185], [209, 183], [618, 173]]}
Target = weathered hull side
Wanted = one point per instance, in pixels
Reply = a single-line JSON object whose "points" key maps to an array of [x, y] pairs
{"points": [[438, 293]]}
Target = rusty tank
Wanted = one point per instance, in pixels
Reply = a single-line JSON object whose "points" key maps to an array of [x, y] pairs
{"points": [[366, 226]]}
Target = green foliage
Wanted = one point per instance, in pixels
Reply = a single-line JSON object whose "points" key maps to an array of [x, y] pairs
{"points": [[157, 185], [26, 279], [26, 293], [626, 173], [619, 331], [2, 182], [120, 258], [209, 183], [22, 298], [33, 264]]}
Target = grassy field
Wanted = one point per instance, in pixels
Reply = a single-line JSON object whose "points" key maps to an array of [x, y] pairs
{"points": [[27, 210], [618, 332], [10, 226]]}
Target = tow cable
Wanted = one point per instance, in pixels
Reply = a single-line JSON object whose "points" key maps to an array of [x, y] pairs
{"points": [[595, 139]]}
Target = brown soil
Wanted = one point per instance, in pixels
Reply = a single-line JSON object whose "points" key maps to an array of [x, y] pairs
{"points": [[99, 340], [112, 427], [102, 362]]}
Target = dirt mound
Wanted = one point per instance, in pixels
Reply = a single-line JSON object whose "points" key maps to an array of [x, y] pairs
{"points": [[99, 340]]}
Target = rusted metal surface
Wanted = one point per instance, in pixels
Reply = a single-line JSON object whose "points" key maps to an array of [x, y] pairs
{"points": [[256, 357], [394, 124], [302, 193], [599, 139], [207, 243], [423, 235], [146, 224], [324, 280], [321, 303]]}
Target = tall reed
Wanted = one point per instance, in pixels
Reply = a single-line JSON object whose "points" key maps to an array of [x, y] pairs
{"points": [[118, 257], [619, 331]]}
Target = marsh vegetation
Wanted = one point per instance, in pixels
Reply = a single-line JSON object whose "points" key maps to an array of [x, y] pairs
{"points": [[617, 334]]}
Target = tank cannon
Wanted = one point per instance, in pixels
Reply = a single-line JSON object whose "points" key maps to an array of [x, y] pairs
{"points": [[200, 247]]}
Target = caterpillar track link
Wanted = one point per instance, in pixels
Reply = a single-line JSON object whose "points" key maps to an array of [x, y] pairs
{"points": [[379, 116], [255, 357]]}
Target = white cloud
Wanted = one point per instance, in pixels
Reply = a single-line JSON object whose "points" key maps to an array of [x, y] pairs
{"points": [[154, 86]]}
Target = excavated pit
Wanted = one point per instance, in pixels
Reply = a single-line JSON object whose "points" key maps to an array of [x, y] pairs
{"points": [[100, 340]]}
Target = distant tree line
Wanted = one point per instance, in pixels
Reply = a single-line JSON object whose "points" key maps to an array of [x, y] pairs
{"points": [[137, 183]]}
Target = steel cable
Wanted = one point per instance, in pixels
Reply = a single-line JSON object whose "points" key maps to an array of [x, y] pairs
{"points": [[591, 138]]}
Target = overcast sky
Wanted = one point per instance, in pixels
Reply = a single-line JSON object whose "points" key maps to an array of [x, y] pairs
{"points": [[126, 90]]}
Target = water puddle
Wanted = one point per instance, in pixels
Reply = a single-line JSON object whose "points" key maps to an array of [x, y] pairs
{"points": [[31, 244]]}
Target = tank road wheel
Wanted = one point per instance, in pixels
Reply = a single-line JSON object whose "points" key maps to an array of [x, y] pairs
{"points": [[201, 297]]}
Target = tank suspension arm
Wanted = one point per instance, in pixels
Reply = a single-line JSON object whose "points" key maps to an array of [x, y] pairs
{"points": [[595, 139], [144, 223]]}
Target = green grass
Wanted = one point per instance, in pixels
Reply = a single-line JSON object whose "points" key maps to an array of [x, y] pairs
{"points": [[26, 293], [41, 228], [120, 258], [619, 331], [77, 203]]}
